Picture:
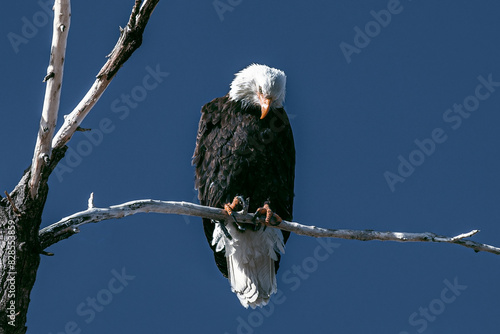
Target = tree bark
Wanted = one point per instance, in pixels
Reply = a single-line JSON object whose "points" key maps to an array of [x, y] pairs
{"points": [[20, 218]]}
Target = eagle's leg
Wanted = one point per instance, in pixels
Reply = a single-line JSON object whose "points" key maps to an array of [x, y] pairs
{"points": [[229, 207], [271, 218]]}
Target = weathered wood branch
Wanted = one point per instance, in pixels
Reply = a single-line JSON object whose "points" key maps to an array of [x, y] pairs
{"points": [[43, 147], [69, 226], [130, 39]]}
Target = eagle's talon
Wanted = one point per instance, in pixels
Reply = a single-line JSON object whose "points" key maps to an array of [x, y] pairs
{"points": [[240, 227], [272, 219], [229, 207], [223, 228], [257, 226], [276, 220]]}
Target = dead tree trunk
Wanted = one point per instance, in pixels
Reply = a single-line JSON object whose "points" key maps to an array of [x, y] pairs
{"points": [[20, 218]]}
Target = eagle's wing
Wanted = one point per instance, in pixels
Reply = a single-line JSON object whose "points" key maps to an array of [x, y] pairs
{"points": [[207, 159]]}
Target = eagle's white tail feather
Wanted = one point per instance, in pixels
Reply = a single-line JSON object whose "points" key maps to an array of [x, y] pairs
{"points": [[250, 261]]}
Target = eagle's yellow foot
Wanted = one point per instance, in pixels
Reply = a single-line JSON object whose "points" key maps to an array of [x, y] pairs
{"points": [[271, 218], [230, 207]]}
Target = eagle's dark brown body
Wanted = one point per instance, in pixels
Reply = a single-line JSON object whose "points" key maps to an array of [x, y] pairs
{"points": [[237, 153]]}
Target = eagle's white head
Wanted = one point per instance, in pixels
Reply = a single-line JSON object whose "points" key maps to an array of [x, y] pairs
{"points": [[259, 85]]}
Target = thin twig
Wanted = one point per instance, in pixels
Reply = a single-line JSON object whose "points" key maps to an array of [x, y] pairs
{"points": [[83, 129], [91, 201], [68, 226]]}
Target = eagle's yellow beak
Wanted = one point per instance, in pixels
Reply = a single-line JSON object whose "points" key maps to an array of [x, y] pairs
{"points": [[265, 105]]}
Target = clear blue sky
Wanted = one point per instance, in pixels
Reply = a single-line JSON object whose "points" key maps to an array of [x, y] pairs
{"points": [[379, 92]]}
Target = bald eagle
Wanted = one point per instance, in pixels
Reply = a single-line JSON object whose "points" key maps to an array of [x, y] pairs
{"points": [[245, 148]]}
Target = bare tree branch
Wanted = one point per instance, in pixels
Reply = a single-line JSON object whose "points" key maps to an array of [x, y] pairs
{"points": [[130, 39], [43, 147], [69, 226]]}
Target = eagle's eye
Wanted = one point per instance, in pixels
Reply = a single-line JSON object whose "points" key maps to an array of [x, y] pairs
{"points": [[260, 89]]}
